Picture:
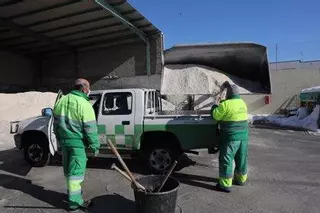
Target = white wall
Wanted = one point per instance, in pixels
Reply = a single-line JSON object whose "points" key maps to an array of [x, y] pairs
{"points": [[285, 84]]}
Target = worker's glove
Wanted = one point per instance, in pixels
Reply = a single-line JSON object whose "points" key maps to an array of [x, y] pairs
{"points": [[213, 107], [96, 152], [217, 101], [225, 84]]}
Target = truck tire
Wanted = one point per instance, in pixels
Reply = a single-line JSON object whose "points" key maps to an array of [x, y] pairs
{"points": [[159, 158], [36, 153]]}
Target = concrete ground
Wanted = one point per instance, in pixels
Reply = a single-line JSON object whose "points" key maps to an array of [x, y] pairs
{"points": [[284, 176]]}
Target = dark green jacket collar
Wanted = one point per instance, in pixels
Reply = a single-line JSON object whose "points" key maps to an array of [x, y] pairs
{"points": [[234, 97], [81, 94]]}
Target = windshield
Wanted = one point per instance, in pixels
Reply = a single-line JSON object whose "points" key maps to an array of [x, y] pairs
{"points": [[93, 98], [95, 101]]}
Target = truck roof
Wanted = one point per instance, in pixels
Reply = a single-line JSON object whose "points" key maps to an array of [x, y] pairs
{"points": [[116, 90]]}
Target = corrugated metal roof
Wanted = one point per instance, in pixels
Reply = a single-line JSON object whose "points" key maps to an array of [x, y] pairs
{"points": [[40, 27]]}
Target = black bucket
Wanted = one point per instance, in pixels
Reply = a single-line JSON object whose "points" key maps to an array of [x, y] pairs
{"points": [[153, 202]]}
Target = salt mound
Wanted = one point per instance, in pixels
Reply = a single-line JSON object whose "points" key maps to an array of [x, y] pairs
{"points": [[193, 79], [20, 106]]}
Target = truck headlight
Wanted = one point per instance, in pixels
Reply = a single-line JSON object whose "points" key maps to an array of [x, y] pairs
{"points": [[14, 127]]}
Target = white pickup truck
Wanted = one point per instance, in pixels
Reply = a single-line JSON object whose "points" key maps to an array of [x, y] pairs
{"points": [[131, 118]]}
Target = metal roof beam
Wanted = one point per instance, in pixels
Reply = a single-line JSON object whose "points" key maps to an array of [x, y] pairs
{"points": [[54, 7], [18, 45], [10, 2], [29, 13], [25, 31], [105, 34], [95, 28], [64, 17], [85, 22], [140, 33], [72, 15], [76, 32]]}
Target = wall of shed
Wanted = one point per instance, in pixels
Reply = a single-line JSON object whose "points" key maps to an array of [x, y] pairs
{"points": [[286, 83], [16, 72], [122, 60]]}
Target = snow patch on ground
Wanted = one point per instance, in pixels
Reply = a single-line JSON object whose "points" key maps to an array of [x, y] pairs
{"points": [[309, 122]]}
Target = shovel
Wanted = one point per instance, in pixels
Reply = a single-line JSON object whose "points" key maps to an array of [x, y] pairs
{"points": [[127, 177], [114, 150], [167, 176]]}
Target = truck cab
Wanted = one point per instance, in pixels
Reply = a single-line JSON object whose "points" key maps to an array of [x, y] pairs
{"points": [[134, 121]]}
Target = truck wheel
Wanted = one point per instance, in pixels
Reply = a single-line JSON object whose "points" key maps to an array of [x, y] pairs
{"points": [[37, 153], [159, 159]]}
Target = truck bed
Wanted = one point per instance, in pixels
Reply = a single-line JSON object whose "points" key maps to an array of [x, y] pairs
{"points": [[184, 113]]}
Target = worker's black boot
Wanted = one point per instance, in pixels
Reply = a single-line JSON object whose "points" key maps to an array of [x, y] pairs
{"points": [[238, 183], [84, 207], [222, 189]]}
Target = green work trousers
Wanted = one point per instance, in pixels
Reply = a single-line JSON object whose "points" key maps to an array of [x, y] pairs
{"points": [[74, 167], [233, 151]]}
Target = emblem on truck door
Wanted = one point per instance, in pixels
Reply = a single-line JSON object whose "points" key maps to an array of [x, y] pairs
{"points": [[103, 139]]}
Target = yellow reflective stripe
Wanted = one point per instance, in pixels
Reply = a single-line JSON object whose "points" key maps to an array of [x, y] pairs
{"points": [[241, 178], [225, 182], [76, 178], [74, 186]]}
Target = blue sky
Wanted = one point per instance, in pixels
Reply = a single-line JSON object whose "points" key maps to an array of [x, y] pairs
{"points": [[294, 25]]}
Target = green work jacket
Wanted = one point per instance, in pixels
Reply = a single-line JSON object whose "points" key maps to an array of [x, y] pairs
{"points": [[232, 115], [75, 122]]}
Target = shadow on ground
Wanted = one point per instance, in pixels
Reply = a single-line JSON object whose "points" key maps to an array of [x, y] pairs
{"points": [[134, 165], [55, 199], [196, 180], [12, 161], [112, 203]]}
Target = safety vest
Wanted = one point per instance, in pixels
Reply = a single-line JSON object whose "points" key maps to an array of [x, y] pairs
{"points": [[74, 118], [232, 115]]}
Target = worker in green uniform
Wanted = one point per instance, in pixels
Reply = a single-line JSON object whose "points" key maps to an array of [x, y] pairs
{"points": [[76, 130], [232, 116]]}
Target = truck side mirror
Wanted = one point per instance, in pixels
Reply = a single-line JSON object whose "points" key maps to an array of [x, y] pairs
{"points": [[47, 111]]}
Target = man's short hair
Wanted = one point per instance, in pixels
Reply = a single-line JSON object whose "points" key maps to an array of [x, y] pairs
{"points": [[80, 84]]}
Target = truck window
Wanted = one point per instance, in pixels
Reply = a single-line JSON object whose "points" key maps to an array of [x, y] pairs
{"points": [[158, 102], [149, 105], [95, 100], [117, 103]]}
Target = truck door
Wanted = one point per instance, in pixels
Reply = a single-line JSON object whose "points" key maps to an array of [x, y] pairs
{"points": [[53, 143], [116, 120]]}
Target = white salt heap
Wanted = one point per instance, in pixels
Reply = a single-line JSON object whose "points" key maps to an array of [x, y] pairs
{"points": [[198, 79], [21, 106]]}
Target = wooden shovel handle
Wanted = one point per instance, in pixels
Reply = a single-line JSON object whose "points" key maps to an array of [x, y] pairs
{"points": [[126, 176], [114, 150], [167, 176]]}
